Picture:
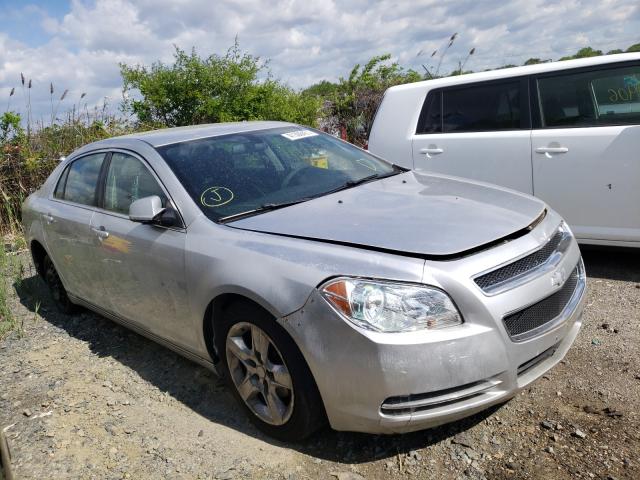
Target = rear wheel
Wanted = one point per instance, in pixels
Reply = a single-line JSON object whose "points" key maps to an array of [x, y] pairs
{"points": [[267, 374], [58, 292]]}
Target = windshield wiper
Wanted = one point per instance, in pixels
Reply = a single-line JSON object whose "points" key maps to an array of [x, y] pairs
{"points": [[354, 183], [265, 207], [360, 181]]}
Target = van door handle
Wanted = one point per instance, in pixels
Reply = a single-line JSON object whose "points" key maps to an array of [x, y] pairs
{"points": [[552, 150], [100, 232], [431, 151], [48, 218]]}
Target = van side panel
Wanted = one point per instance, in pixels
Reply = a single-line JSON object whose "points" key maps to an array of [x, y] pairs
{"points": [[395, 122]]}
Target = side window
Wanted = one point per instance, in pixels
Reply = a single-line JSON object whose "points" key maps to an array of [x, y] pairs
{"points": [[128, 180], [431, 115], [588, 99], [59, 191], [82, 180], [482, 108]]}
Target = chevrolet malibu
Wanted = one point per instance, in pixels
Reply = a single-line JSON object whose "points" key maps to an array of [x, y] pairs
{"points": [[323, 283]]}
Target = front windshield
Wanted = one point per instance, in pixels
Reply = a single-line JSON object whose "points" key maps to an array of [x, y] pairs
{"points": [[250, 172]]}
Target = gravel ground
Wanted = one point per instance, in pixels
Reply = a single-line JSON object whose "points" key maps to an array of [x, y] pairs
{"points": [[81, 397]]}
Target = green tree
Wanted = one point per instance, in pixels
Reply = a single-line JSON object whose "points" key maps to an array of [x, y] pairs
{"points": [[584, 53], [634, 48], [193, 90], [535, 61], [357, 97], [11, 130], [323, 89]]}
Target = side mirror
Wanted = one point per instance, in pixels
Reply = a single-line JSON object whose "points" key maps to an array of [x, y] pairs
{"points": [[146, 209], [168, 218]]}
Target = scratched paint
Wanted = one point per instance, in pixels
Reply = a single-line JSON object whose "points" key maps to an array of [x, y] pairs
{"points": [[117, 244]]}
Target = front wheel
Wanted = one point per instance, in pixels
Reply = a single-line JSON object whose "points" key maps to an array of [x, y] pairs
{"points": [[267, 374]]}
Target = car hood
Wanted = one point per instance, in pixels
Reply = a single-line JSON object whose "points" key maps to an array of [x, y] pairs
{"points": [[411, 213]]}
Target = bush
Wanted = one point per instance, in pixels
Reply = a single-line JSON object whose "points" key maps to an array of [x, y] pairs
{"points": [[196, 90], [352, 102]]}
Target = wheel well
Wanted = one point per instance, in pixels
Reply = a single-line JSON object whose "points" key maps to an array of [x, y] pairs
{"points": [[38, 253], [216, 309]]}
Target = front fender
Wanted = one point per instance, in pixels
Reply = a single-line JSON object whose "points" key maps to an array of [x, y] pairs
{"points": [[275, 272]]}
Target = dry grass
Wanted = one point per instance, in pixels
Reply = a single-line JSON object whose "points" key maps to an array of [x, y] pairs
{"points": [[28, 155]]}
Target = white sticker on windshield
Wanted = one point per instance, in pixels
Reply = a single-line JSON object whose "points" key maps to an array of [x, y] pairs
{"points": [[298, 134]]}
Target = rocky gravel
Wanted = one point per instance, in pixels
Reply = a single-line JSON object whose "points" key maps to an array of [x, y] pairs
{"points": [[81, 397]]}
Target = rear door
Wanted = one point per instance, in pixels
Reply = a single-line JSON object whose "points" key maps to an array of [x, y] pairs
{"points": [[67, 225], [586, 149], [141, 266], [479, 131]]}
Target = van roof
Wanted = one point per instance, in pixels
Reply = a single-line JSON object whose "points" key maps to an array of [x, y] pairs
{"points": [[519, 71]]}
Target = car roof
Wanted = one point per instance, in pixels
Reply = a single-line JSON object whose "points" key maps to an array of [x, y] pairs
{"points": [[519, 71], [167, 136]]}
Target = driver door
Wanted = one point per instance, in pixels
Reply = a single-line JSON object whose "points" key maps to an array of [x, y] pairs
{"points": [[141, 266]]}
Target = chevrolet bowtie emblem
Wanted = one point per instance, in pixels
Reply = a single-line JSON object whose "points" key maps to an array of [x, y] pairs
{"points": [[558, 278]]}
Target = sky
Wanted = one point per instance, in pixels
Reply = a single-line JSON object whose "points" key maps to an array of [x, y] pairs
{"points": [[78, 44]]}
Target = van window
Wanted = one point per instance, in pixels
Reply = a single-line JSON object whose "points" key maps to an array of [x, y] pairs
{"points": [[589, 99], [481, 108], [431, 115]]}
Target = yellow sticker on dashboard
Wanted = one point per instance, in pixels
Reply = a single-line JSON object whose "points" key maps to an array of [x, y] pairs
{"points": [[214, 197], [319, 161]]}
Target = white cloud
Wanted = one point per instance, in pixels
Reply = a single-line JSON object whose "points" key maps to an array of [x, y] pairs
{"points": [[306, 40]]}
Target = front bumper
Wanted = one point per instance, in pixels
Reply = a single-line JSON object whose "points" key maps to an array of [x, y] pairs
{"points": [[394, 383]]}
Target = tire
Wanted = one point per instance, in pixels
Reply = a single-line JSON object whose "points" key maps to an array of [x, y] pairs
{"points": [[56, 288], [299, 410]]}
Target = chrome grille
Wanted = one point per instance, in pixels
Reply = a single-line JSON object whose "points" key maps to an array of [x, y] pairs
{"points": [[520, 266], [537, 360], [520, 269], [408, 404], [534, 317]]}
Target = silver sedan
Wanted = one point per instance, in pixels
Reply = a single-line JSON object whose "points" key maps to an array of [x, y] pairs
{"points": [[324, 283]]}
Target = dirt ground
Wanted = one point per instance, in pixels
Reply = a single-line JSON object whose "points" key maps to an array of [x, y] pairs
{"points": [[81, 397]]}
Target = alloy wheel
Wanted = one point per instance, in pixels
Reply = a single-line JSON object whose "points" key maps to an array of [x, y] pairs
{"points": [[259, 373]]}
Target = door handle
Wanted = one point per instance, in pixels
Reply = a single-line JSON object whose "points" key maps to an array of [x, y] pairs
{"points": [[431, 151], [100, 232], [48, 218], [552, 150]]}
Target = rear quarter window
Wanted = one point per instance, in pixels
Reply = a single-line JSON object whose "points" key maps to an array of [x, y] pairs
{"points": [[59, 191]]}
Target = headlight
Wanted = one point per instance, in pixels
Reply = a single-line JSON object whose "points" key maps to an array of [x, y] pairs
{"points": [[390, 307]]}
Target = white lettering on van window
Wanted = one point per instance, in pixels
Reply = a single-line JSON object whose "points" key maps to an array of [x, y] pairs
{"points": [[298, 134]]}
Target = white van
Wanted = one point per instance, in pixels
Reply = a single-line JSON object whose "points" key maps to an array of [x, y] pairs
{"points": [[567, 132]]}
